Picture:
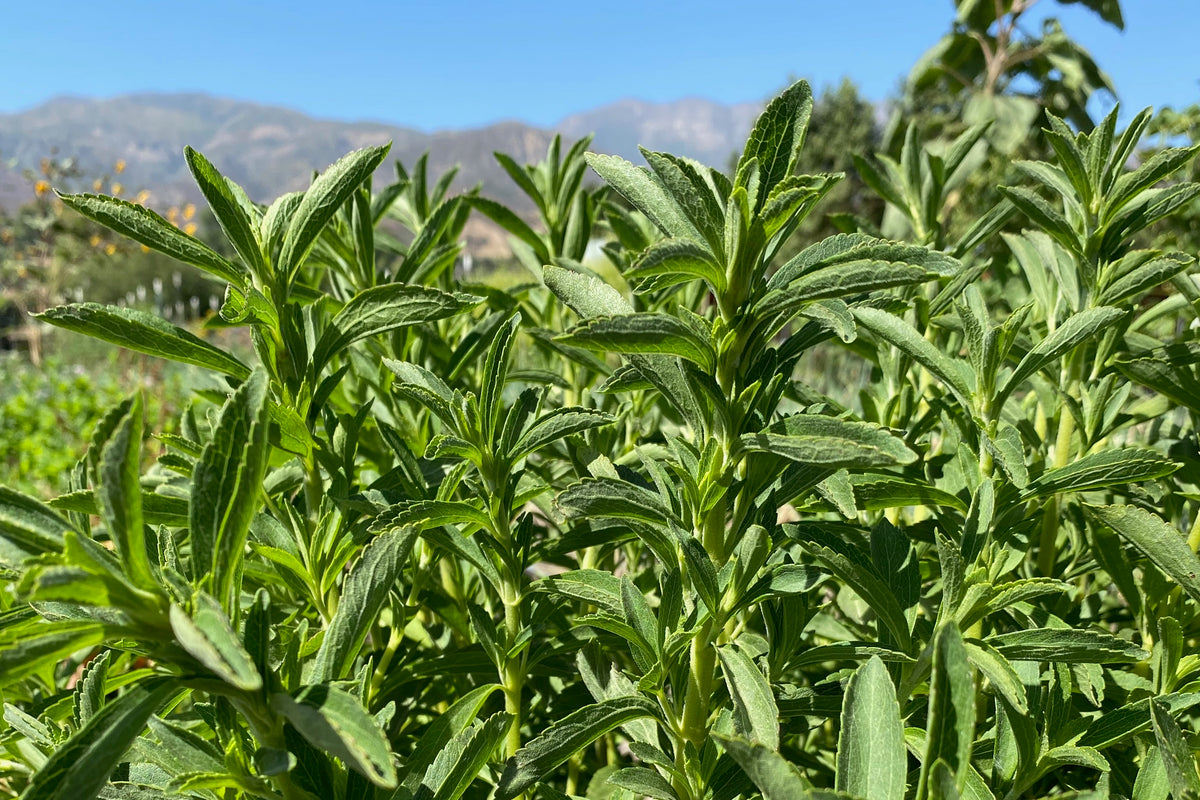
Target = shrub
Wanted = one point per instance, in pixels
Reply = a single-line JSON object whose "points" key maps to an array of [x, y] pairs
{"points": [[592, 536]]}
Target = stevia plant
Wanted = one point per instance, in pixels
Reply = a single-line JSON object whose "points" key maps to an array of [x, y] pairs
{"points": [[593, 538]]}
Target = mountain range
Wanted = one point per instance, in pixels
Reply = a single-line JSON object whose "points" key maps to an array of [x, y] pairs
{"points": [[270, 150]]}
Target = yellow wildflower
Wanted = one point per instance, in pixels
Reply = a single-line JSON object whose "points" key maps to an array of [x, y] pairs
{"points": [[143, 196], [110, 249], [172, 215], [119, 167], [95, 240], [190, 228], [189, 211], [41, 187], [117, 189], [97, 185]]}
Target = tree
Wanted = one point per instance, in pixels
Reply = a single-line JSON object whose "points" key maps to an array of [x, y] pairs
{"points": [[991, 68], [843, 123]]}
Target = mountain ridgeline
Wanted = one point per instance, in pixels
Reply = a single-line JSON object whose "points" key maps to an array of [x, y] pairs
{"points": [[271, 150]]}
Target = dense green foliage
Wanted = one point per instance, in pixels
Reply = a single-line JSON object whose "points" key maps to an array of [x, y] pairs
{"points": [[47, 412], [629, 529], [592, 536]]}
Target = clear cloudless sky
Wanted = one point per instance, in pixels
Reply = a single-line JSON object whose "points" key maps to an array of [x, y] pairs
{"points": [[434, 65]]}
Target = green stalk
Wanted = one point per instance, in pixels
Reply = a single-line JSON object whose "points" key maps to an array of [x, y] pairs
{"points": [[512, 672], [267, 728], [314, 490], [1047, 552], [702, 657]]}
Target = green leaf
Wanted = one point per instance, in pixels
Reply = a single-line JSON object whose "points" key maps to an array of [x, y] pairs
{"points": [[778, 137], [1117, 725], [143, 333], [591, 586], [79, 768], [157, 509], [831, 250], [1111, 467], [334, 721], [1108, 10], [208, 636], [239, 227], [610, 497], [422, 386], [30, 524], [1067, 645], [694, 195], [830, 442], [363, 596], [942, 784], [42, 646], [1158, 541], [1072, 756], [871, 760], [755, 714], [1158, 166], [1075, 331], [1150, 273], [643, 189], [385, 308], [643, 782], [644, 333], [321, 201], [275, 221], [566, 737], [640, 618], [840, 280], [903, 336], [226, 486], [672, 261], [850, 565], [881, 184], [793, 198], [92, 690], [1042, 214], [858, 259], [1178, 756], [495, 375], [463, 758], [1000, 674], [951, 724], [444, 728], [503, 216], [144, 226], [120, 496], [424, 514], [586, 295], [558, 424], [771, 773]]}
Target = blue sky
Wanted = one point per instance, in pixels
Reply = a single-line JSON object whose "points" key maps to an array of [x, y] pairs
{"points": [[438, 65]]}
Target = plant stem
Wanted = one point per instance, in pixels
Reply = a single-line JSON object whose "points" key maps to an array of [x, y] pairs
{"points": [[512, 675], [314, 489], [703, 662], [1047, 552]]}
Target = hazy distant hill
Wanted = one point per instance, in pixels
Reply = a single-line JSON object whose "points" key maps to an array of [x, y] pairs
{"points": [[704, 130], [270, 150]]}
